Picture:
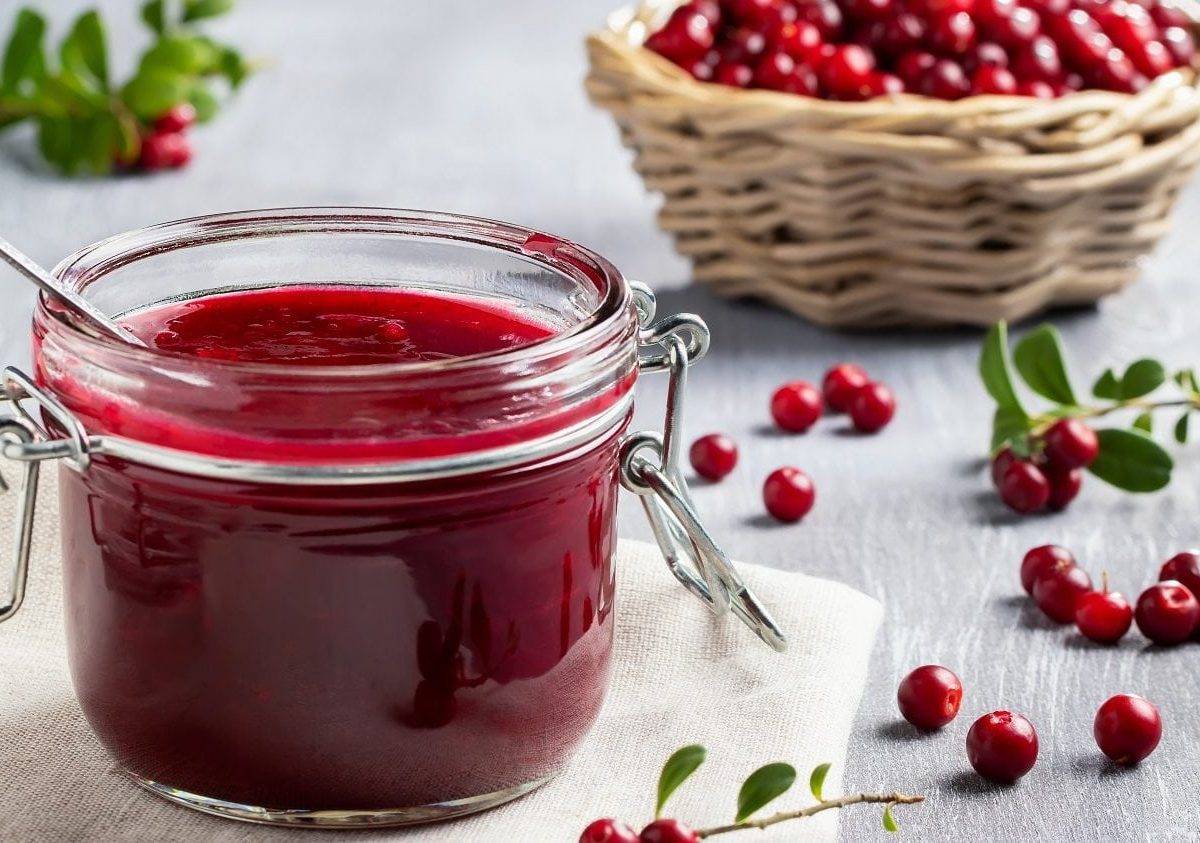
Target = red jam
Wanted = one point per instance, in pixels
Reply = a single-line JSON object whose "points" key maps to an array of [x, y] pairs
{"points": [[336, 647]]}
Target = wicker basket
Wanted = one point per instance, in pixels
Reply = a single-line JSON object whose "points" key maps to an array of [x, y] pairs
{"points": [[908, 211]]}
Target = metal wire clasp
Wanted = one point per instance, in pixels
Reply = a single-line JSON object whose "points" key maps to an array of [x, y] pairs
{"points": [[650, 469]]}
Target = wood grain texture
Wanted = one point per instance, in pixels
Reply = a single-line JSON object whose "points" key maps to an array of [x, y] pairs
{"points": [[478, 108]]}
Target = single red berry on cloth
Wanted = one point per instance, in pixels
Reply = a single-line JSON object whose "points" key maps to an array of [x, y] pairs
{"points": [[164, 150], [929, 697], [1071, 444], [1041, 560], [1058, 591], [177, 119], [668, 831], [1103, 616], [796, 406], [1024, 487], [1064, 486], [789, 494], [1002, 746], [872, 407], [608, 831], [713, 456], [840, 384], [1167, 613], [1185, 568], [1127, 728]]}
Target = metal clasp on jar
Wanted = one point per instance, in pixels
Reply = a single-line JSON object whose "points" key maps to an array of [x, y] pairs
{"points": [[650, 468]]}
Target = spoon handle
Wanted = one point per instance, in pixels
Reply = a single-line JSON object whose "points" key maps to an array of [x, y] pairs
{"points": [[23, 264]]}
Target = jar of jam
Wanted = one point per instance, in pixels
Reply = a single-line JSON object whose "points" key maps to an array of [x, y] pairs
{"points": [[338, 542]]}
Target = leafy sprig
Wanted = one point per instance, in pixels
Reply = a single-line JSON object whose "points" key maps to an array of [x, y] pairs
{"points": [[1129, 457], [85, 121]]}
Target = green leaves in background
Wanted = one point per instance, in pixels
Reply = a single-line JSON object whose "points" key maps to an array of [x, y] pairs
{"points": [[1131, 460], [679, 767], [1039, 359], [762, 786], [1141, 378], [24, 62]]}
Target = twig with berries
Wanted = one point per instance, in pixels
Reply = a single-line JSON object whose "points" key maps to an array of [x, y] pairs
{"points": [[87, 122], [1038, 458], [761, 787]]}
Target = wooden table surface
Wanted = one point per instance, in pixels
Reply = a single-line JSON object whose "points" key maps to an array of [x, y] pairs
{"points": [[477, 108]]}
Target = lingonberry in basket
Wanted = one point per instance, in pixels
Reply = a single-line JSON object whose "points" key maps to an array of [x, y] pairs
{"points": [[839, 385], [872, 408], [826, 15], [1185, 568], [668, 831], [1038, 61], [846, 73], [1180, 44], [1037, 89], [686, 38], [994, 80], [1103, 616], [946, 80], [894, 35], [987, 54], [1127, 728], [913, 66], [1167, 613], [1002, 746], [1024, 487], [1041, 560], [1065, 484], [734, 74], [164, 150], [800, 40], [796, 406], [1057, 591], [713, 456], [608, 831], [929, 696], [788, 494], [952, 34]]}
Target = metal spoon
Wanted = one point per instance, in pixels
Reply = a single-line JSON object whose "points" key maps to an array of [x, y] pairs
{"points": [[23, 264]]}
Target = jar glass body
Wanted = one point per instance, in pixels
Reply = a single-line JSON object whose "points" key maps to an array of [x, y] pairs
{"points": [[404, 609]]}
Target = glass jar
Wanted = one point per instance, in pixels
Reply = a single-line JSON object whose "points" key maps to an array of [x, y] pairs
{"points": [[350, 595]]}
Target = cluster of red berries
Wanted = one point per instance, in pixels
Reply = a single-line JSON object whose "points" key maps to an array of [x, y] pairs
{"points": [[1003, 746], [949, 49], [1167, 612], [788, 492], [1052, 475], [660, 831], [166, 145]]}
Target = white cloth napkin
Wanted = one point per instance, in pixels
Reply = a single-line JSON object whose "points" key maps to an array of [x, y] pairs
{"points": [[681, 676]]}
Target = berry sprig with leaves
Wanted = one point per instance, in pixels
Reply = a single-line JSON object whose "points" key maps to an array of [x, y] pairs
{"points": [[760, 788], [85, 120], [1037, 457]]}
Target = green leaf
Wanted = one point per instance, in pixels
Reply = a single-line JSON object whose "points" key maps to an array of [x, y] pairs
{"points": [[682, 763], [1181, 428], [763, 785], [1131, 460], [149, 95], [1009, 426], [1107, 386], [56, 143], [204, 101], [1141, 378], [234, 67], [84, 53], [154, 15], [24, 56], [994, 368], [1144, 422], [194, 10], [816, 781], [1038, 357], [889, 822], [181, 54], [1186, 378]]}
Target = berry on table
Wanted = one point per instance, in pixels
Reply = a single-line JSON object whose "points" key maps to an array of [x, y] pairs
{"points": [[668, 831], [872, 407], [177, 118], [1127, 728], [163, 150], [789, 494], [796, 406], [1002, 746], [1041, 560], [1184, 567], [929, 696], [1000, 463], [608, 831], [1058, 591], [1103, 616], [1064, 486], [713, 456], [1071, 444], [1167, 612], [1024, 487], [840, 384]]}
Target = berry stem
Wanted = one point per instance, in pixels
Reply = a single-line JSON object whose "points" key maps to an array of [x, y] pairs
{"points": [[823, 805], [1042, 422]]}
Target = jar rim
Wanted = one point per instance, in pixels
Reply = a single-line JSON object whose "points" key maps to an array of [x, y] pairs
{"points": [[546, 250]]}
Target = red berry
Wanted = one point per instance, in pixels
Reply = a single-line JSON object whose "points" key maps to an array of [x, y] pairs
{"points": [[800, 40], [929, 697], [608, 831], [773, 70], [1058, 590], [1036, 89], [1024, 487], [1041, 560], [1000, 463], [668, 831], [789, 494], [896, 34], [796, 406], [161, 150], [702, 70], [840, 384], [946, 80], [1116, 73], [713, 456], [1064, 486], [872, 408], [952, 34], [1167, 16], [736, 75], [1079, 38], [994, 80], [685, 38], [1180, 44], [847, 72], [1167, 612], [886, 84], [1037, 61], [1127, 728], [1019, 27], [1185, 568], [869, 9], [986, 54], [1103, 616], [913, 66], [742, 46], [825, 15], [1002, 746], [177, 119]]}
